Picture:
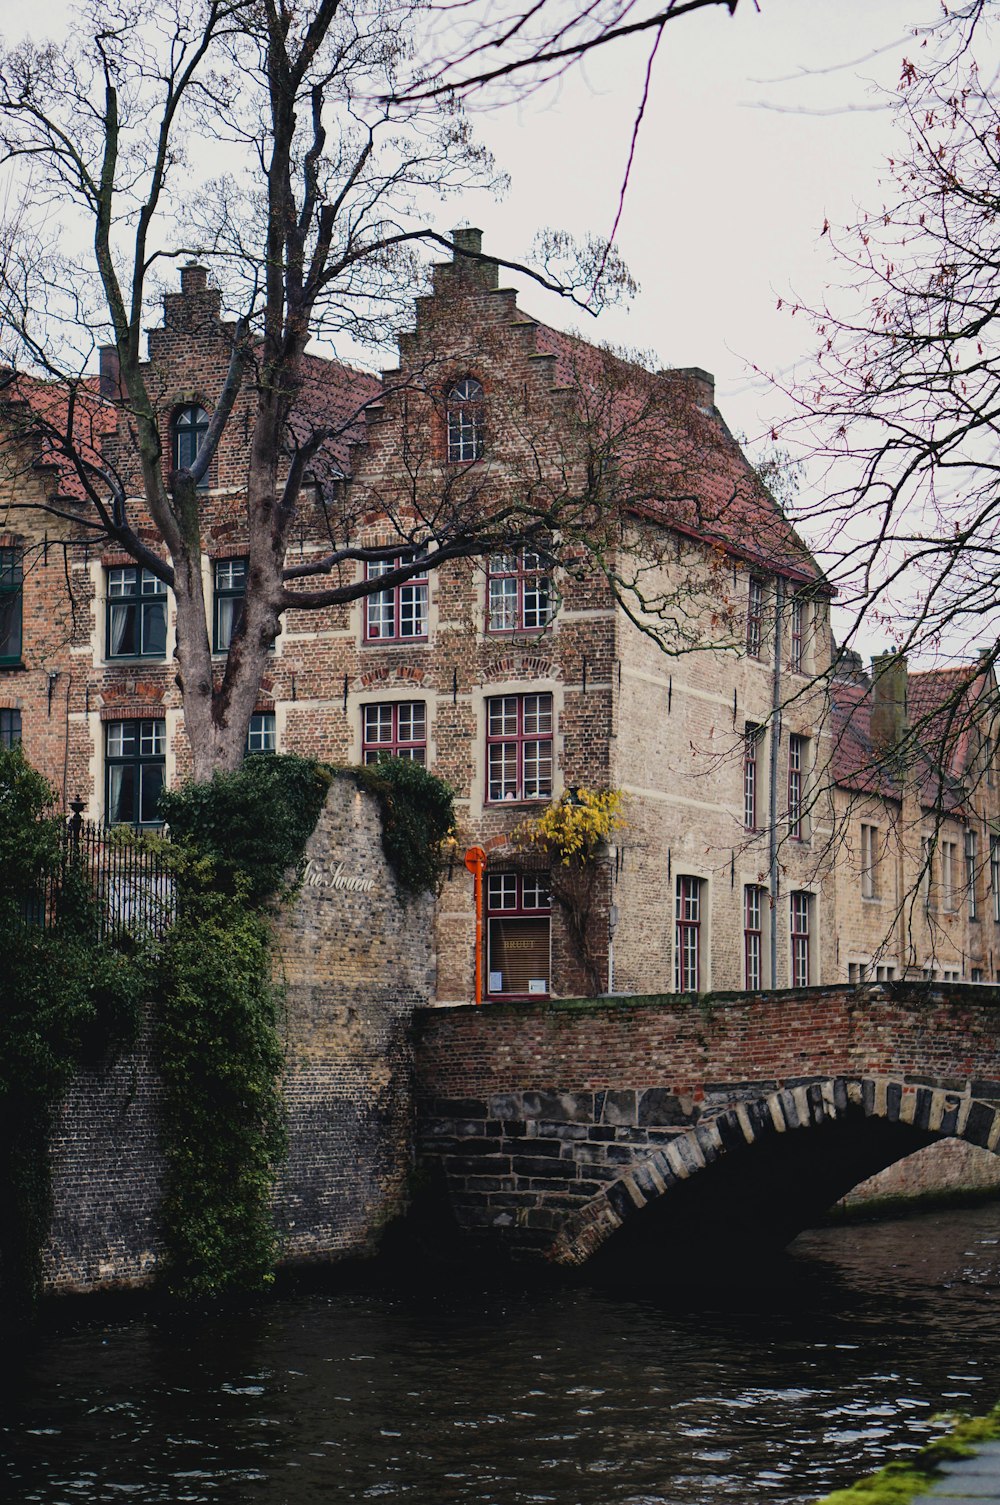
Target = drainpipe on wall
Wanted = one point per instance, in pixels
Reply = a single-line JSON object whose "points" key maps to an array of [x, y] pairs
{"points": [[779, 601]]}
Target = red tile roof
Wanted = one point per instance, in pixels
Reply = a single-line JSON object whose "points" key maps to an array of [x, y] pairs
{"points": [[52, 417]]}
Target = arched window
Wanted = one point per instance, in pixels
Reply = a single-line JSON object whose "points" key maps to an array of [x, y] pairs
{"points": [[465, 420], [187, 433]]}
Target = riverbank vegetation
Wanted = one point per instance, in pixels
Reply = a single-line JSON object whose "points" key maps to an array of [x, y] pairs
{"points": [[900, 1483]]}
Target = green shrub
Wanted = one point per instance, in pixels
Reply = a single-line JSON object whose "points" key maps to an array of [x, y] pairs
{"points": [[418, 815]]}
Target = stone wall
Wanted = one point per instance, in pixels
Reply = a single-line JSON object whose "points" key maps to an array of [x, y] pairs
{"points": [[355, 962]]}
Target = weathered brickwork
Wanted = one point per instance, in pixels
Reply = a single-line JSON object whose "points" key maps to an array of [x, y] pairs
{"points": [[356, 961], [535, 1118]]}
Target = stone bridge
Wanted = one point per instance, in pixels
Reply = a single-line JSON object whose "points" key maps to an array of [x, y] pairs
{"points": [[670, 1128]]}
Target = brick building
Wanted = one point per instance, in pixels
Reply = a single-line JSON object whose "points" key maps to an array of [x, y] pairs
{"points": [[516, 678]]}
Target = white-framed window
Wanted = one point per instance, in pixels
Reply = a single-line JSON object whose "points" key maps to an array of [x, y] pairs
{"points": [[688, 902], [755, 616], [229, 579], [949, 893], [798, 752], [796, 634], [188, 429], [465, 419], [518, 935], [755, 901], [971, 873], [262, 733], [135, 754], [519, 740], [869, 861], [394, 729], [398, 614], [800, 935], [519, 593], [136, 614]]}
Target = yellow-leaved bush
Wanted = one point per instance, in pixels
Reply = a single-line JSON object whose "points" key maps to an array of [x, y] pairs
{"points": [[576, 825]]}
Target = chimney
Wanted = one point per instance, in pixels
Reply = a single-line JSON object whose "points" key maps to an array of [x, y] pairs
{"points": [[194, 278], [888, 720], [110, 369], [698, 384], [467, 239]]}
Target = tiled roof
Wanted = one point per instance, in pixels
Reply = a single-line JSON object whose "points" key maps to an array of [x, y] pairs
{"points": [[41, 413], [334, 395], [682, 465]]}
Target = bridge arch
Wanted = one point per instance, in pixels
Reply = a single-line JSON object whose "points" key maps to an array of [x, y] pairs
{"points": [[766, 1168]]}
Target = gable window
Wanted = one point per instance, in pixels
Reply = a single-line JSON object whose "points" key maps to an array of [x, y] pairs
{"points": [[188, 428], [10, 728], [869, 862], [519, 747], [465, 421], [137, 614], [230, 581], [687, 947], [518, 934], [751, 748], [795, 630], [520, 593], [135, 762], [754, 899], [400, 613], [394, 731], [800, 907], [261, 733], [755, 616], [797, 750], [11, 598]]}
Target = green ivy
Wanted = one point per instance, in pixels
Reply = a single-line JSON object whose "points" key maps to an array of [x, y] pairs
{"points": [[70, 999], [418, 816]]}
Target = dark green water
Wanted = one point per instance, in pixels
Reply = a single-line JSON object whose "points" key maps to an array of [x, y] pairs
{"points": [[750, 1392]]}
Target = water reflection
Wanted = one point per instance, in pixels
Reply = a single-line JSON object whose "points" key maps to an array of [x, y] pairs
{"points": [[773, 1390]]}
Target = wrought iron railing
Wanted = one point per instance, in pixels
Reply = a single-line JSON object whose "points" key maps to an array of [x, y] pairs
{"points": [[132, 885]]}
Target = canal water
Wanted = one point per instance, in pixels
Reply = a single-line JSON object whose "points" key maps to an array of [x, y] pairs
{"points": [[756, 1389]]}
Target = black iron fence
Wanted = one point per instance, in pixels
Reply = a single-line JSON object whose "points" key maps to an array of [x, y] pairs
{"points": [[131, 884]]}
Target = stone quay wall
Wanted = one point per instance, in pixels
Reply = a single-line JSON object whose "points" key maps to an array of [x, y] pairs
{"points": [[355, 962]]}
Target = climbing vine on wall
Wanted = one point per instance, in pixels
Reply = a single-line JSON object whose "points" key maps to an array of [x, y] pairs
{"points": [[70, 998], [418, 817]]}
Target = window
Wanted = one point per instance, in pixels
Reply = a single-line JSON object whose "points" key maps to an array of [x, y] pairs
{"points": [[754, 898], [394, 731], [949, 897], [687, 948], [230, 580], [465, 421], [976, 975], [951, 976], [399, 614], [187, 431], [518, 934], [857, 972], [135, 756], [796, 625], [261, 734], [800, 907], [10, 728], [971, 854], [797, 749], [137, 614], [869, 862], [11, 598], [927, 844], [995, 875], [519, 747], [755, 616], [886, 972], [752, 736], [520, 593]]}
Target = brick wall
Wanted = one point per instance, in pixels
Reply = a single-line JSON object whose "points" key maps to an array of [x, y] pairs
{"points": [[356, 961]]}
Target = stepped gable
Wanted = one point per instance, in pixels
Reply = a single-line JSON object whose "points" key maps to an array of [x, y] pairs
{"points": [[669, 419], [859, 765], [38, 413]]}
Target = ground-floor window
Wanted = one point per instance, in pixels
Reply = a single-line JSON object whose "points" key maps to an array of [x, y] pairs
{"points": [[10, 728], [801, 917], [518, 934], [754, 898], [687, 948], [261, 735], [135, 762]]}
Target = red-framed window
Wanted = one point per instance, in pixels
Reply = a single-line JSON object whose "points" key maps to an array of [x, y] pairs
{"points": [[465, 414], [751, 749], [796, 628], [399, 614], [519, 593], [519, 747], [687, 947], [754, 898], [800, 910], [797, 750], [518, 935], [394, 730], [755, 616]]}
